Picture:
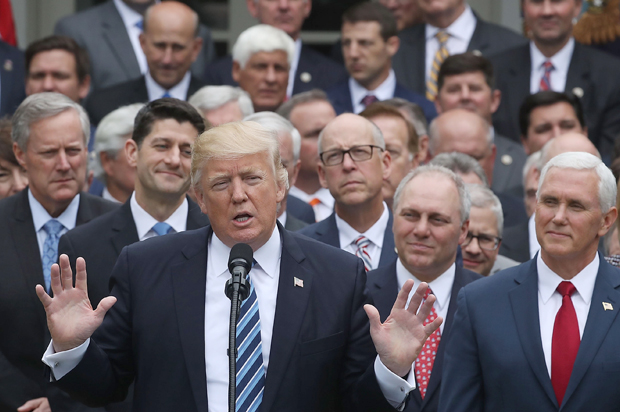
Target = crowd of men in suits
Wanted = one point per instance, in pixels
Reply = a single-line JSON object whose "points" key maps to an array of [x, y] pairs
{"points": [[430, 208]]}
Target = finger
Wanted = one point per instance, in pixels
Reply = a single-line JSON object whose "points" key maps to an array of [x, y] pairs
{"points": [[373, 316], [416, 299], [433, 326], [45, 299], [66, 274], [426, 308], [104, 306], [80, 274], [401, 299], [30, 405], [55, 283]]}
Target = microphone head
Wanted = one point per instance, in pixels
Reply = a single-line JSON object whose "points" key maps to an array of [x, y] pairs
{"points": [[240, 254]]}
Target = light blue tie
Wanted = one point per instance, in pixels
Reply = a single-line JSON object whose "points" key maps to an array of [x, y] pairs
{"points": [[166, 95], [140, 25], [162, 228], [50, 249], [250, 369]]}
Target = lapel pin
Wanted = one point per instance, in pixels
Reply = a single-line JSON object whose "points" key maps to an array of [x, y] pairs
{"points": [[607, 306], [298, 282], [305, 77], [477, 53], [8, 65], [506, 160], [578, 91]]}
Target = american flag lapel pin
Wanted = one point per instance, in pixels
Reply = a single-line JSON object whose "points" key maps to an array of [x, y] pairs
{"points": [[298, 282], [607, 306]]}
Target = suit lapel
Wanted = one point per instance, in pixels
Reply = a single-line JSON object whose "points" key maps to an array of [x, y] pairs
{"points": [[519, 81], [194, 86], [410, 61], [291, 306], [577, 71], [606, 289], [195, 218], [188, 283], [6, 78], [386, 289], [328, 231], [480, 38], [115, 34], [524, 301], [387, 250], [124, 227]]}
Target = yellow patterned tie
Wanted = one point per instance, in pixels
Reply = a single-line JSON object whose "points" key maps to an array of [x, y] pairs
{"points": [[440, 56]]}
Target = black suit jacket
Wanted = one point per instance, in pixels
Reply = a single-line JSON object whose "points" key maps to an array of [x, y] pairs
{"points": [[516, 243], [326, 231], [593, 71], [293, 224], [314, 71], [104, 101], [410, 61], [12, 72], [321, 352], [300, 209], [24, 335], [508, 167], [383, 289]]}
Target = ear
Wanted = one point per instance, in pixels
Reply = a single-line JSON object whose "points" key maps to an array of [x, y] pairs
{"points": [[280, 192], [20, 156], [132, 151], [608, 220], [307, 8], [106, 163], [387, 164], [393, 43], [236, 68], [437, 105], [494, 154], [578, 9], [463, 234], [424, 155], [293, 179], [142, 39], [201, 200], [84, 87], [496, 99], [197, 46], [252, 8], [321, 172]]}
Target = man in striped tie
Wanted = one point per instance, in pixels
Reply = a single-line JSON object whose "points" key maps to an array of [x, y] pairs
{"points": [[309, 343]]}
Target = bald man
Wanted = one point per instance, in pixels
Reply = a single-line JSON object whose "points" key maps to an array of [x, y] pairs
{"points": [[520, 242], [170, 44]]}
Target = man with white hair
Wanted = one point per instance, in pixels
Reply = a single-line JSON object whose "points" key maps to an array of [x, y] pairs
{"points": [[262, 56], [222, 104], [543, 335], [110, 163]]}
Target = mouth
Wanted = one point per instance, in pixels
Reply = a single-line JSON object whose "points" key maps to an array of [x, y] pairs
{"points": [[470, 262], [242, 219], [558, 235]]}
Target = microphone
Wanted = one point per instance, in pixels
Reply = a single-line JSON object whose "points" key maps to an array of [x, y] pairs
{"points": [[239, 264]]}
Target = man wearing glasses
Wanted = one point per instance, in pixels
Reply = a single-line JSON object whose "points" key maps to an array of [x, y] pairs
{"points": [[353, 164], [431, 219]]}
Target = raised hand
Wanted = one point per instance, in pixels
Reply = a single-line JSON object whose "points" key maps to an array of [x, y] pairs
{"points": [[70, 317], [401, 337]]}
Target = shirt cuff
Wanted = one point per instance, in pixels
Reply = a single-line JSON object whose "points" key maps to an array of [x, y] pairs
{"points": [[394, 388], [63, 362]]}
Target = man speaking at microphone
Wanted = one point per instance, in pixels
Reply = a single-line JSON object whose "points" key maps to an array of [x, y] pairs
{"points": [[167, 319]]}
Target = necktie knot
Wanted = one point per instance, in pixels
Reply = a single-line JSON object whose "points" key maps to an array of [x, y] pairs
{"points": [[428, 293], [165, 95], [566, 288], [369, 99], [442, 36], [53, 227], [362, 242], [548, 66], [162, 228], [140, 24]]}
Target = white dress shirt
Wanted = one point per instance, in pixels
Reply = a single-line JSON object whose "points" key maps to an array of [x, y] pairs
{"points": [[384, 91], [145, 222], [561, 63], [441, 287], [130, 19], [324, 208], [531, 233], [460, 31], [179, 91], [282, 218], [375, 234], [293, 70], [40, 217], [550, 300]]}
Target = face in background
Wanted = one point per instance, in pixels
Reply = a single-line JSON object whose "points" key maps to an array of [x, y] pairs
{"points": [[550, 21], [569, 219], [163, 160], [287, 15], [482, 222], [438, 9], [406, 12], [427, 225], [119, 172], [265, 78], [169, 42], [353, 183], [367, 57], [56, 71], [226, 113], [396, 143], [468, 91], [55, 160], [13, 178], [310, 119], [241, 197], [547, 122], [287, 157], [531, 186]]}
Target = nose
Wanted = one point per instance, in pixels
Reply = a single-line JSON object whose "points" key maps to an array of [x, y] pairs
{"points": [[48, 83], [173, 157], [283, 4], [347, 162], [559, 218], [62, 163], [421, 228], [473, 248], [271, 75], [546, 7], [465, 95], [238, 191], [167, 56]]}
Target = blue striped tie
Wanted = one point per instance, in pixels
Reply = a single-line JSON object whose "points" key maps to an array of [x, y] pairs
{"points": [[50, 249], [362, 242], [250, 369]]}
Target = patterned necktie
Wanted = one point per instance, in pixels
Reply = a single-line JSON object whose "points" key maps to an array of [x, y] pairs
{"points": [[162, 228], [565, 341], [250, 369], [545, 80], [50, 249], [441, 55], [425, 360], [362, 244], [369, 99]]}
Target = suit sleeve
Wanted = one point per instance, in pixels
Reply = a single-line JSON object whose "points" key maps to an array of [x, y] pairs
{"points": [[461, 384]]}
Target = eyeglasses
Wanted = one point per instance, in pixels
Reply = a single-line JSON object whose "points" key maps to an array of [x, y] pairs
{"points": [[357, 154], [485, 242]]}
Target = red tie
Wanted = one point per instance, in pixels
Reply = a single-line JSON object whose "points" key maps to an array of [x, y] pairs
{"points": [[545, 80], [425, 360], [369, 99], [565, 342]]}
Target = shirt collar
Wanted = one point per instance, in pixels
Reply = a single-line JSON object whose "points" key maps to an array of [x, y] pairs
{"points": [[129, 16], [441, 287], [267, 257], [144, 222], [384, 91], [179, 91], [282, 218], [375, 234], [548, 280], [108, 196], [560, 60], [462, 28], [40, 216], [293, 69]]}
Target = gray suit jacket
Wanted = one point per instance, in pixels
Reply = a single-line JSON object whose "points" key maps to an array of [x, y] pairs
{"points": [[409, 62], [101, 31], [293, 224], [501, 263], [508, 167]]}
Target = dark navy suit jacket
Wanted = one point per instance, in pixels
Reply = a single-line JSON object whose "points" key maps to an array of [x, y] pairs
{"points": [[300, 209], [383, 288], [12, 74], [494, 359], [326, 231], [340, 96]]}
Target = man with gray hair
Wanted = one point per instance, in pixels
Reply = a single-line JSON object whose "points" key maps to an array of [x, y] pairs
{"points": [[222, 104], [110, 163], [50, 136], [541, 336], [353, 165], [431, 219]]}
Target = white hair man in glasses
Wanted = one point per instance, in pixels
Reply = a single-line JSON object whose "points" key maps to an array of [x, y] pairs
{"points": [[353, 164]]}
